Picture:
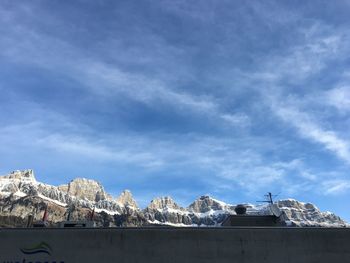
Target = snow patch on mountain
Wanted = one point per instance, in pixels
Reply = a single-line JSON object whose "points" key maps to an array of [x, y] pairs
{"points": [[51, 200]]}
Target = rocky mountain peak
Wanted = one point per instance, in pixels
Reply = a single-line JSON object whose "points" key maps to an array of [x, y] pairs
{"points": [[163, 202], [127, 199], [292, 203], [18, 182], [206, 203], [26, 175], [83, 188]]}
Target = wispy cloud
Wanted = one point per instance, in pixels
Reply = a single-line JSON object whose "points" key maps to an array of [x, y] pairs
{"points": [[78, 142], [201, 153], [239, 119], [78, 146], [106, 80], [339, 98], [287, 75], [336, 187], [320, 45], [308, 128]]}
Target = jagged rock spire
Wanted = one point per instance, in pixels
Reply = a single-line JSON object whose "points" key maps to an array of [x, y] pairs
{"points": [[205, 203], [163, 202], [25, 174], [86, 189], [126, 199]]}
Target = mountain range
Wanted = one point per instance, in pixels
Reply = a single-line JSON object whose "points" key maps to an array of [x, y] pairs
{"points": [[21, 195]]}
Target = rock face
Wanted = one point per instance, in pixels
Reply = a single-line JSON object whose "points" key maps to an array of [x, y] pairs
{"points": [[164, 210], [21, 195], [164, 203], [206, 204], [126, 199], [85, 189], [306, 214], [26, 175]]}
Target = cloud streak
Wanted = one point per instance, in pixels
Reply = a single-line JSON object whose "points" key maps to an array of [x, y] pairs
{"points": [[309, 129], [105, 80], [336, 187]]}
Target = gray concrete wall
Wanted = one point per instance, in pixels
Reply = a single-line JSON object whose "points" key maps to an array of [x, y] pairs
{"points": [[185, 245]]}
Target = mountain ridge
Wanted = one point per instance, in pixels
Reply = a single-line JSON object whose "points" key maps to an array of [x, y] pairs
{"points": [[21, 195]]}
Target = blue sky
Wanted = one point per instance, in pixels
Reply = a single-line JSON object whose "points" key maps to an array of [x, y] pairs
{"points": [[180, 98]]}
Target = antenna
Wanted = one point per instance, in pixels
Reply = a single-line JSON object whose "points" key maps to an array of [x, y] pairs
{"points": [[269, 198]]}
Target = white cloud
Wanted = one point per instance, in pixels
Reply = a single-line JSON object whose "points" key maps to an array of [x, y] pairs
{"points": [[93, 150], [294, 104], [339, 98], [320, 44], [107, 80], [336, 187], [58, 134], [298, 167], [216, 157], [309, 128], [238, 119]]}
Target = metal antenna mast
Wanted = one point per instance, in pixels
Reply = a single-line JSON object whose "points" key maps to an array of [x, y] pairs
{"points": [[269, 198]]}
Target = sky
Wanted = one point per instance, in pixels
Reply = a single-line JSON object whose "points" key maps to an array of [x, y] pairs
{"points": [[180, 98]]}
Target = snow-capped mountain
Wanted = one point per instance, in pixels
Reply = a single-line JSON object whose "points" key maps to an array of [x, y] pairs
{"points": [[22, 195], [307, 214]]}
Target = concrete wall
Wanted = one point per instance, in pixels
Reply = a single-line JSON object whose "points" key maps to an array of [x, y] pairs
{"points": [[252, 220], [185, 245]]}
